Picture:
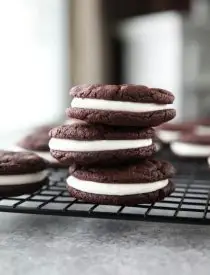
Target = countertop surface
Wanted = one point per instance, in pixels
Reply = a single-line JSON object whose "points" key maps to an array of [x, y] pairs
{"points": [[32, 244]]}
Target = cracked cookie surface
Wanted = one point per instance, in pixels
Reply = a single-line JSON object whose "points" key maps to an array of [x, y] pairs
{"points": [[121, 105], [88, 144]]}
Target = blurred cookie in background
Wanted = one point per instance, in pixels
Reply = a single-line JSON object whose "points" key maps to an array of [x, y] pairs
{"points": [[170, 132], [191, 146], [37, 142], [202, 127]]}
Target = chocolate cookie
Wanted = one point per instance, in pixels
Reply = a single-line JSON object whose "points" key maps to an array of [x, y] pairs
{"points": [[203, 127], [21, 173], [87, 144], [37, 142], [121, 105], [144, 182], [169, 132], [192, 145]]}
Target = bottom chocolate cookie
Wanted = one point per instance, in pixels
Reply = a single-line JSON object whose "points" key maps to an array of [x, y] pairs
{"points": [[22, 189], [144, 182], [130, 200], [104, 157]]}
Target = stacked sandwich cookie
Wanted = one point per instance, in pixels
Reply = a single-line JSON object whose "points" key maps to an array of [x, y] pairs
{"points": [[109, 144], [21, 173]]}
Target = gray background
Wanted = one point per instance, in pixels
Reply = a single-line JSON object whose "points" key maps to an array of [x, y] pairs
{"points": [[32, 244]]}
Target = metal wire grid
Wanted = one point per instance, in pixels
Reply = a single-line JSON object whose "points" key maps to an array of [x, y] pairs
{"points": [[190, 203]]}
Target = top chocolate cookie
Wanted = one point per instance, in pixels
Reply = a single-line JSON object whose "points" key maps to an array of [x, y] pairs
{"points": [[13, 163], [123, 105]]}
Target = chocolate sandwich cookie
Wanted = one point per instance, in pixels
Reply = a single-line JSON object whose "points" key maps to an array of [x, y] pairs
{"points": [[121, 105], [202, 127], [87, 144], [192, 145], [170, 132], [145, 182], [37, 142], [21, 173]]}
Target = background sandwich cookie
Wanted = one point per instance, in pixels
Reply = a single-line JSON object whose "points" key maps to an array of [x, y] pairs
{"points": [[99, 144], [37, 142], [192, 145], [170, 132], [21, 173], [203, 127], [121, 105], [145, 182]]}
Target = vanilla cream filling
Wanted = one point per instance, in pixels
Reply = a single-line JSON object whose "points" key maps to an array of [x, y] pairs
{"points": [[45, 155], [115, 189], [23, 179], [96, 145], [190, 150], [202, 130], [72, 121], [167, 136], [111, 105]]}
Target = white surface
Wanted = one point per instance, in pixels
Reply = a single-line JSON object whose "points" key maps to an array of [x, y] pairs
{"points": [[190, 150], [153, 52], [34, 62], [115, 188], [167, 136], [111, 105], [23, 179], [96, 145], [202, 130]]}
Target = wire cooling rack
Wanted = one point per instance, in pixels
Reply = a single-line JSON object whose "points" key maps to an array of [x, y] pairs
{"points": [[190, 203]]}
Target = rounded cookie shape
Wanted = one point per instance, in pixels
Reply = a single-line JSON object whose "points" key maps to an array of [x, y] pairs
{"points": [[21, 173], [36, 141], [104, 158], [144, 171], [123, 92], [170, 132], [178, 126], [122, 118], [12, 163], [146, 198], [88, 144], [100, 132], [122, 105], [192, 146], [143, 182]]}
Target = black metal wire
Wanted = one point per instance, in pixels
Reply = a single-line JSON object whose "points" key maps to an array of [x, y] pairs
{"points": [[190, 203]]}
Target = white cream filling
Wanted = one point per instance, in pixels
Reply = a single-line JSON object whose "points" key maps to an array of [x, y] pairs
{"points": [[23, 179], [111, 105], [45, 155], [96, 145], [190, 150], [202, 130], [74, 121], [167, 136], [115, 189]]}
